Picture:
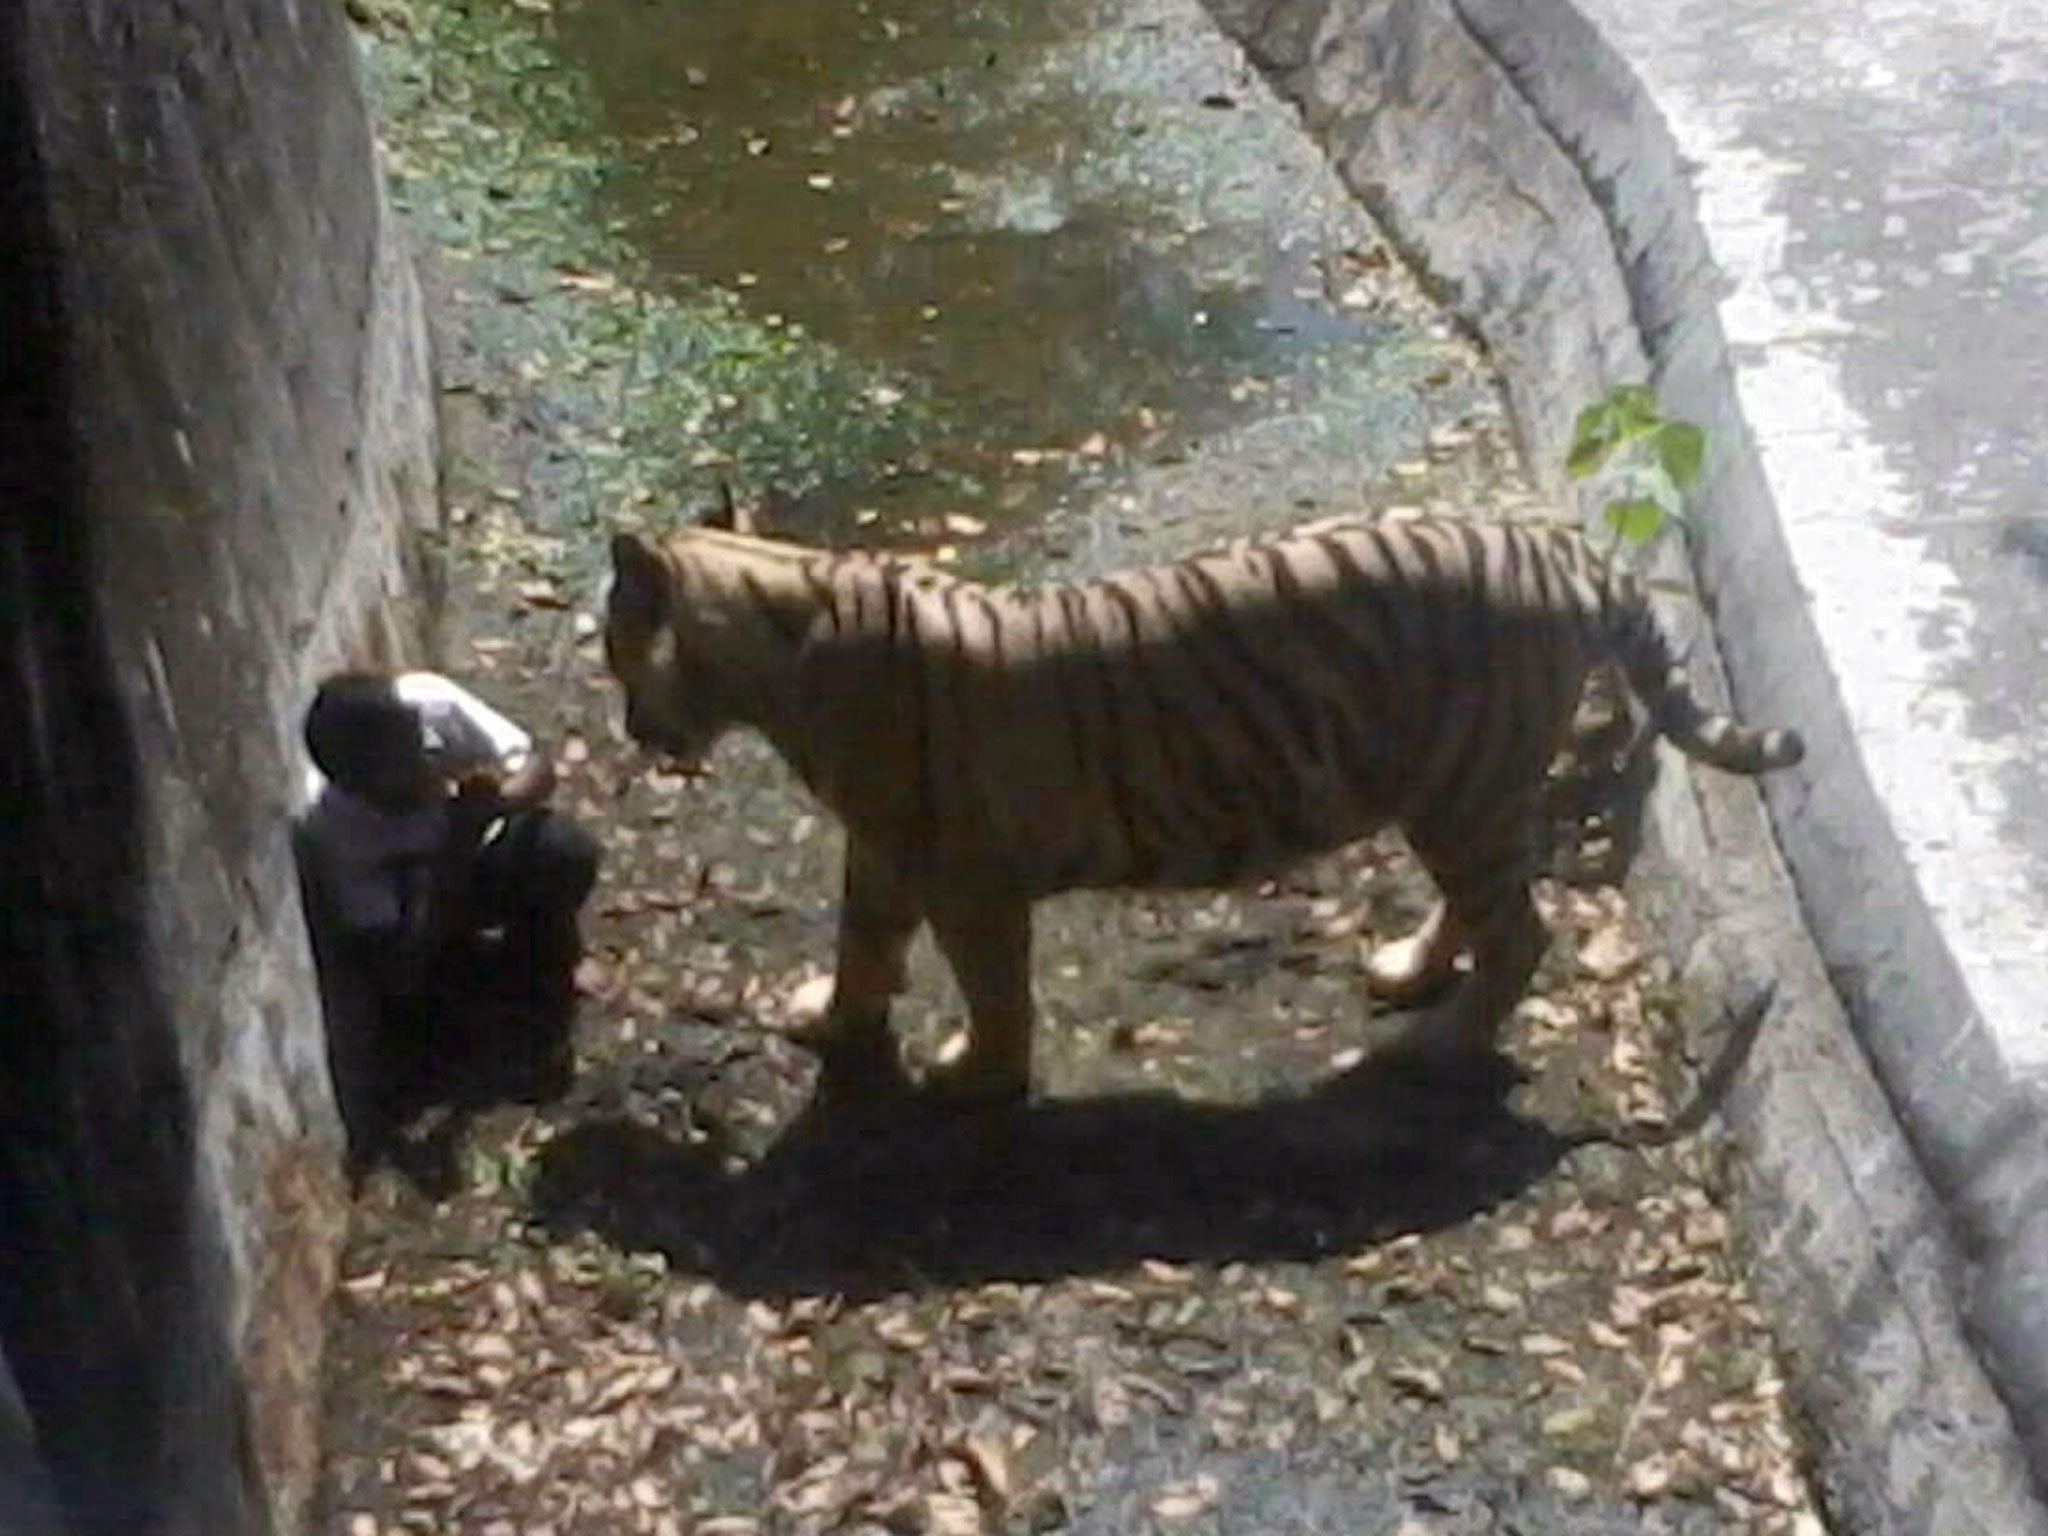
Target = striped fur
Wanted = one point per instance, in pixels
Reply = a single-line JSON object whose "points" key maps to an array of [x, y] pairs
{"points": [[1196, 724]]}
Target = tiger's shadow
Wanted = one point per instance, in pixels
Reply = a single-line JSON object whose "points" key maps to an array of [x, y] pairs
{"points": [[863, 1202]]}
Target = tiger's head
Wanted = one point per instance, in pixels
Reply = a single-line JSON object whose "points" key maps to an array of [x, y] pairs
{"points": [[697, 634]]}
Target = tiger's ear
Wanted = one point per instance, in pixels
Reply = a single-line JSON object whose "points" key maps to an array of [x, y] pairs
{"points": [[640, 581], [728, 516]]}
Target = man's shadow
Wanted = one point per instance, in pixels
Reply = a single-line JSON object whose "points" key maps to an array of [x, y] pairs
{"points": [[864, 1200]]}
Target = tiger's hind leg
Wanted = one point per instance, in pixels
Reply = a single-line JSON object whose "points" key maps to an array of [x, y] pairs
{"points": [[987, 942], [1417, 967], [1484, 872], [878, 917]]}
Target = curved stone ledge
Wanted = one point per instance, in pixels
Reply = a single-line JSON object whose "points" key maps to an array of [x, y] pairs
{"points": [[1889, 1166]]}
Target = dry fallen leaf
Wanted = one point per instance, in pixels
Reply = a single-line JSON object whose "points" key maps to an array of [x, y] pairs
{"points": [[1651, 1476], [489, 1346], [1570, 1482], [1606, 1337], [1185, 1500], [585, 281], [989, 1460], [808, 1000], [1447, 1445], [1419, 1381], [951, 1514], [1608, 954], [1568, 1422]]}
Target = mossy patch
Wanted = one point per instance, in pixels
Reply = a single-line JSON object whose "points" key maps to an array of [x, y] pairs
{"points": [[651, 393]]}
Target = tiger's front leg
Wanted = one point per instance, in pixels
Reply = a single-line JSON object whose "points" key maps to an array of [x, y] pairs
{"points": [[878, 917], [987, 942]]}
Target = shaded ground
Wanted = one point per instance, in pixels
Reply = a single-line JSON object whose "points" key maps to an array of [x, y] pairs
{"points": [[1220, 1279], [1210, 1270]]}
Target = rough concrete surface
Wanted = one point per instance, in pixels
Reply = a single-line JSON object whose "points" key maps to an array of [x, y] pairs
{"points": [[219, 455], [1896, 488], [1525, 163]]}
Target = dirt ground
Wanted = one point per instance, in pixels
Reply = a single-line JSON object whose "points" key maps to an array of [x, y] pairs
{"points": [[1220, 1279]]}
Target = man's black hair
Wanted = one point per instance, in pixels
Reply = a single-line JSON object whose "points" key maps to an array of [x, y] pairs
{"points": [[355, 724]]}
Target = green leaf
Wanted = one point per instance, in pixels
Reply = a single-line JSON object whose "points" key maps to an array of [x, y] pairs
{"points": [[1587, 456], [1634, 518], [1681, 446], [1635, 405], [1635, 432], [1593, 438]]}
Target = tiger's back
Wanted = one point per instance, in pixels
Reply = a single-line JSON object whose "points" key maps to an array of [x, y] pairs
{"points": [[1214, 719]]}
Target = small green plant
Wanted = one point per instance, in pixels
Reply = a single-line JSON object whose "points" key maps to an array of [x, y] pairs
{"points": [[1652, 459]]}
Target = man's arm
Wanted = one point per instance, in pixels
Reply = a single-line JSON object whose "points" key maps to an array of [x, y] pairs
{"points": [[503, 768], [482, 795]]}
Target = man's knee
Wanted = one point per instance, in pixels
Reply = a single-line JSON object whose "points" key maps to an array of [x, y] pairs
{"points": [[568, 862], [580, 859]]}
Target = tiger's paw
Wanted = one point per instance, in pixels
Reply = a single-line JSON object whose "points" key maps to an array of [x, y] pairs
{"points": [[813, 1034], [859, 1067], [1445, 1060], [1412, 971], [966, 1087]]}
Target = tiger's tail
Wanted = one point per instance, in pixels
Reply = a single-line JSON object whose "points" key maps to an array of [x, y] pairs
{"points": [[1661, 682]]}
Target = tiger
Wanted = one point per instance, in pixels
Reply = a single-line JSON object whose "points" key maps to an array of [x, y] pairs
{"points": [[1197, 724]]}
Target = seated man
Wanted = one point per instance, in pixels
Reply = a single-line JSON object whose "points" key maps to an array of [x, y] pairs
{"points": [[426, 837]]}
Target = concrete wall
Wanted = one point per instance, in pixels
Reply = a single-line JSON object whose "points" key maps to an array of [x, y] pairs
{"points": [[217, 472], [1518, 164]]}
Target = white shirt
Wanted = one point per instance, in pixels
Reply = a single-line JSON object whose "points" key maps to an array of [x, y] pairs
{"points": [[364, 856]]}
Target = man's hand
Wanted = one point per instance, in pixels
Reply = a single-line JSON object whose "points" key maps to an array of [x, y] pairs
{"points": [[533, 783], [478, 800]]}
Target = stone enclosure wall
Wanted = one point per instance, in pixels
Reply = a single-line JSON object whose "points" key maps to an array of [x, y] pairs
{"points": [[217, 477]]}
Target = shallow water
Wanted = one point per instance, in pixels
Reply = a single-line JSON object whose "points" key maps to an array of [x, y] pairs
{"points": [[1080, 227]]}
